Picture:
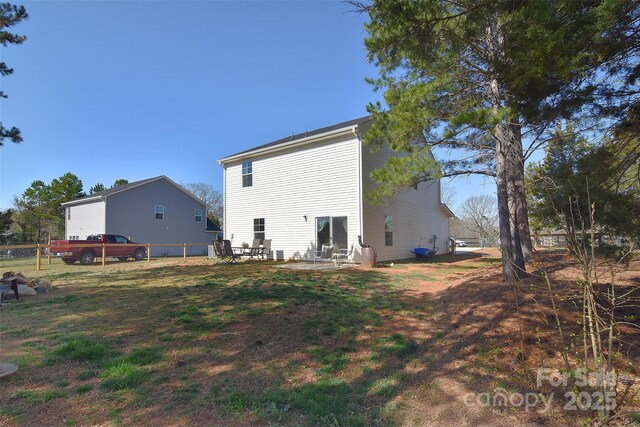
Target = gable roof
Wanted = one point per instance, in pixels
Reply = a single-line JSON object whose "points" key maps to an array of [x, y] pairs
{"points": [[299, 138], [102, 195]]}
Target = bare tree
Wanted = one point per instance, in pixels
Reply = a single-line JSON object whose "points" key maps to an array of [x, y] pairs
{"points": [[210, 196], [482, 213], [447, 193]]}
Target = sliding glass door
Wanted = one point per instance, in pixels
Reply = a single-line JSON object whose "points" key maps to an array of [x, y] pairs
{"points": [[332, 230]]}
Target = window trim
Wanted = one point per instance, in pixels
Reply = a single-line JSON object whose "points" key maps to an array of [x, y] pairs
{"points": [[259, 228], [388, 230], [156, 212], [247, 173], [195, 215]]}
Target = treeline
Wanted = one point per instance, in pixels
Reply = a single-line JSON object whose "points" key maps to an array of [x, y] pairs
{"points": [[38, 212]]}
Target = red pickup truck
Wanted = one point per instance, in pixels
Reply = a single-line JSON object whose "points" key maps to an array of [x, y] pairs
{"points": [[87, 251]]}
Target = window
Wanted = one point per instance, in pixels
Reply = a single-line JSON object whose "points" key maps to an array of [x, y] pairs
{"points": [[388, 230], [68, 213], [198, 215], [159, 212], [247, 174], [258, 228]]}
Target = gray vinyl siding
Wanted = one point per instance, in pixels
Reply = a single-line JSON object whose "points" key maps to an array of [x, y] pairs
{"points": [[417, 215], [315, 180], [86, 219], [131, 213]]}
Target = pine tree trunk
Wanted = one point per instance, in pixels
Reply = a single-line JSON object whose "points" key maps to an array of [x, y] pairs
{"points": [[506, 242], [510, 264], [519, 196]]}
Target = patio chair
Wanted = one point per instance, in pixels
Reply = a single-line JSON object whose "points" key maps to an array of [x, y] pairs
{"points": [[218, 251], [265, 250], [229, 256], [343, 255], [324, 255], [254, 250]]}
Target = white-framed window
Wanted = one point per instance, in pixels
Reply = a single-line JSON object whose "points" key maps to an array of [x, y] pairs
{"points": [[388, 230], [159, 212], [68, 213], [197, 215], [258, 228], [247, 173]]}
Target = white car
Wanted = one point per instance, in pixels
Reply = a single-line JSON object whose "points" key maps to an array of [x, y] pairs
{"points": [[460, 243]]}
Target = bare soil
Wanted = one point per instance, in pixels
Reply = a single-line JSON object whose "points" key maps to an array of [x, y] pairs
{"points": [[405, 344]]}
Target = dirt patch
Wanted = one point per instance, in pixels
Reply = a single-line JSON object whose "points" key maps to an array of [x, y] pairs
{"points": [[408, 344]]}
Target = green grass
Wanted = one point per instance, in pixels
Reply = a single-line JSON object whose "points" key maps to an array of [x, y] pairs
{"points": [[124, 375], [396, 345], [80, 349], [38, 397], [183, 339]]}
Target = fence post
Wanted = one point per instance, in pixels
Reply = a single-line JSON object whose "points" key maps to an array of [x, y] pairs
{"points": [[104, 257], [149, 253], [49, 252], [184, 251], [38, 260]]}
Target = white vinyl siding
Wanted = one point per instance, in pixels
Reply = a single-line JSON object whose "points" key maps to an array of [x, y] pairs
{"points": [[247, 174], [416, 214], [294, 187], [87, 219]]}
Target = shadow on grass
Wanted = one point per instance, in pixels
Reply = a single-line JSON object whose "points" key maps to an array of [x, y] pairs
{"points": [[252, 343]]}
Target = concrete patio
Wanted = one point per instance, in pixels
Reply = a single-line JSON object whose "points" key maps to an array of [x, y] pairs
{"points": [[319, 266]]}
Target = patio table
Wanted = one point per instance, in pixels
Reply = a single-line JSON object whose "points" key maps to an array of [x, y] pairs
{"points": [[251, 252]]}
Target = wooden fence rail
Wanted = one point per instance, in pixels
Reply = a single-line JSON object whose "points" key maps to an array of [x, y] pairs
{"points": [[4, 249]]}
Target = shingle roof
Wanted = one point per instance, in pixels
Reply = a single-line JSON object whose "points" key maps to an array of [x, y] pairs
{"points": [[121, 187], [300, 136], [124, 187]]}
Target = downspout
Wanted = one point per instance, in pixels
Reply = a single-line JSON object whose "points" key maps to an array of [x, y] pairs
{"points": [[360, 201], [224, 202], [104, 202]]}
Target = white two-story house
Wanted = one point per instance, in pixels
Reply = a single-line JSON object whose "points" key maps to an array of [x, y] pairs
{"points": [[309, 189]]}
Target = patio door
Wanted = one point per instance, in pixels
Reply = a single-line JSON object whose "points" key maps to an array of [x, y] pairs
{"points": [[332, 231]]}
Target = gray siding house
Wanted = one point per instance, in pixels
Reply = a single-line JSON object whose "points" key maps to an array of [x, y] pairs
{"points": [[154, 210]]}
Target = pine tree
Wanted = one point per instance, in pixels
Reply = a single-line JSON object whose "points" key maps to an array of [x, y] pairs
{"points": [[10, 15]]}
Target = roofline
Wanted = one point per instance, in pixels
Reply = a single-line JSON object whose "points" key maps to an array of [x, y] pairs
{"points": [[142, 182], [84, 200], [447, 211], [296, 142]]}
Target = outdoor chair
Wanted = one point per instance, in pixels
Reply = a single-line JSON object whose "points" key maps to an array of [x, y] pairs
{"points": [[343, 255], [219, 251], [225, 251], [254, 250], [324, 255], [265, 250]]}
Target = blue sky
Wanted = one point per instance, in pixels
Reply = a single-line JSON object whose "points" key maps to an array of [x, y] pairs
{"points": [[132, 90]]}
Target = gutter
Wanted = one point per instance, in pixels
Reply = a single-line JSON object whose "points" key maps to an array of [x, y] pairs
{"points": [[83, 200]]}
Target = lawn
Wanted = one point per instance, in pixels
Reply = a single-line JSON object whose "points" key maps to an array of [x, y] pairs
{"points": [[189, 342]]}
